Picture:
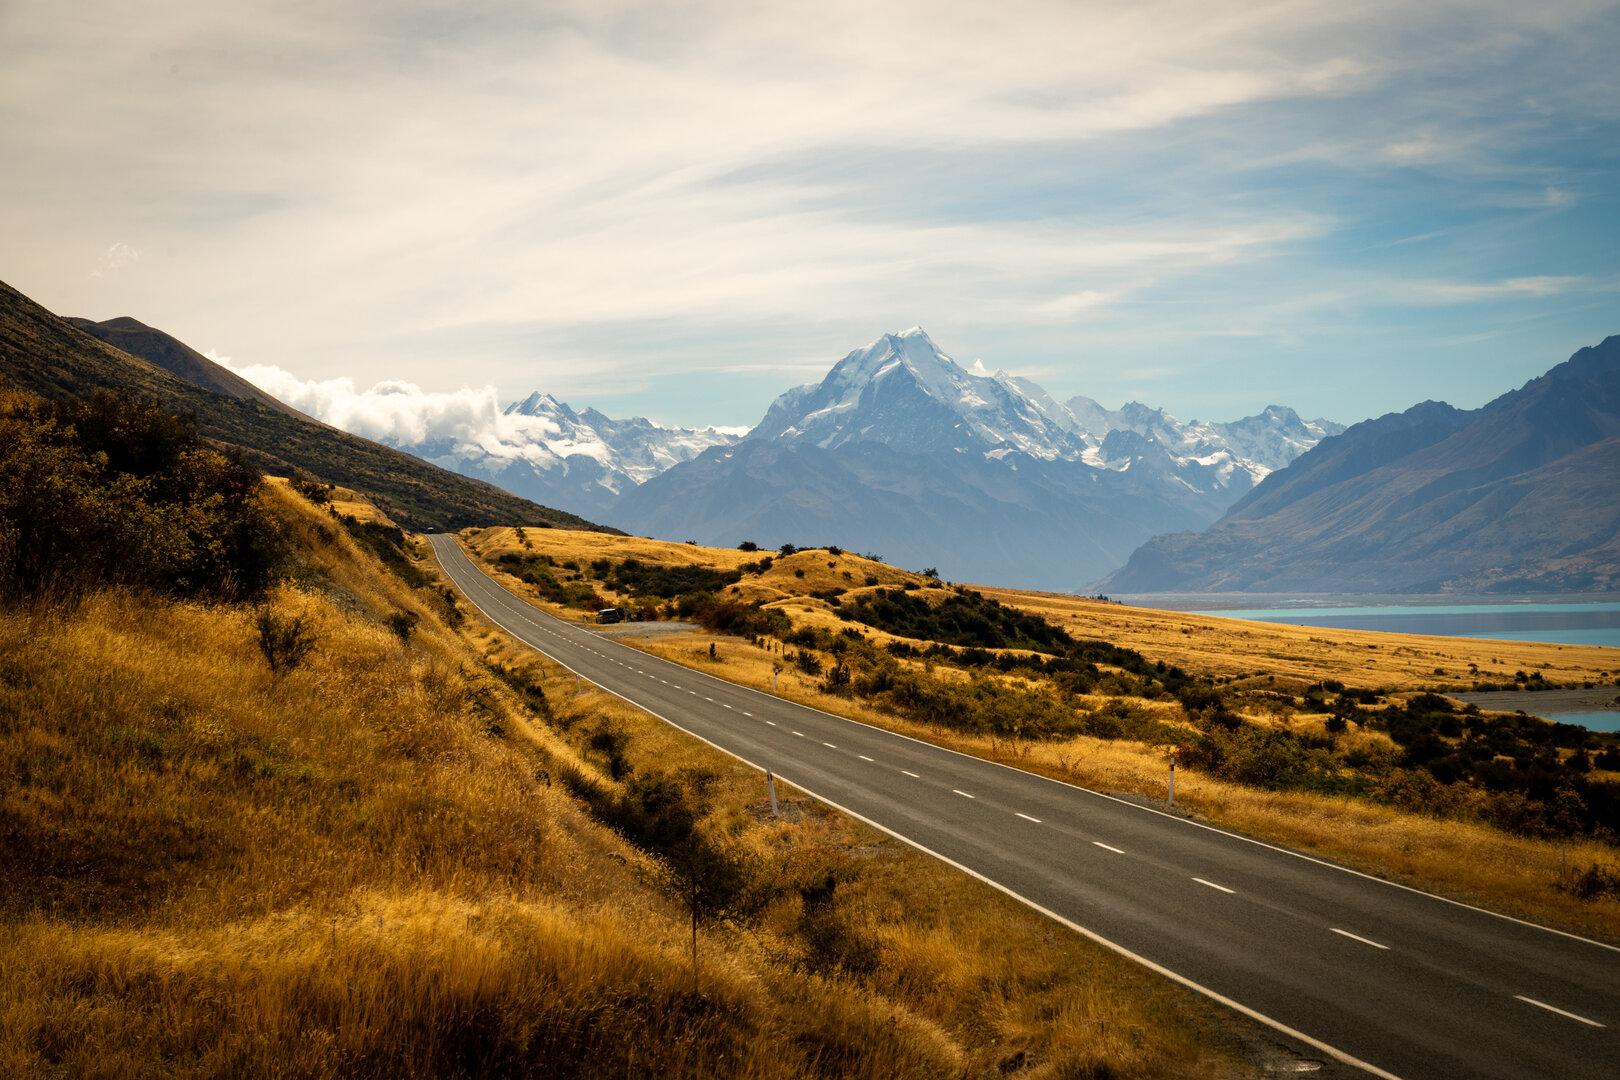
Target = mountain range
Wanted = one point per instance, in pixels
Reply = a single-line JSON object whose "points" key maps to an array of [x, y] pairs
{"points": [[984, 476], [1520, 495], [547, 452]]}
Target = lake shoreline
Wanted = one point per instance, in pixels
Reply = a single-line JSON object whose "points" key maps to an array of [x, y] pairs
{"points": [[1546, 703], [1215, 603]]}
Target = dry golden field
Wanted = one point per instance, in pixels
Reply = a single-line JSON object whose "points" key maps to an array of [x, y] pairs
{"points": [[368, 865], [1355, 657], [1472, 862]]}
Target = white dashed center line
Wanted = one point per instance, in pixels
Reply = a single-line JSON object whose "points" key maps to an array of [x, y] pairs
{"points": [[1212, 885], [911, 774], [863, 757], [1106, 847], [1556, 1009], [1026, 817], [747, 713], [771, 722], [1357, 937], [800, 734], [829, 746], [962, 793]]}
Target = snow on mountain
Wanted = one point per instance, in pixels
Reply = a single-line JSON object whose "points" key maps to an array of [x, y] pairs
{"points": [[902, 391], [1254, 446], [548, 452], [631, 452]]}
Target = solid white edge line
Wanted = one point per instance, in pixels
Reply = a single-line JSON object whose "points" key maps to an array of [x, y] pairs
{"points": [[1212, 885], [1026, 817], [1336, 930], [1051, 780], [1090, 935], [1556, 1009], [1097, 843]]}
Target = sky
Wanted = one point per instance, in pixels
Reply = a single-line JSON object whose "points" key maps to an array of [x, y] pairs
{"points": [[680, 210]]}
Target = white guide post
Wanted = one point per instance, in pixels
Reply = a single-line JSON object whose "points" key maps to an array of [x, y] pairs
{"points": [[770, 782]]}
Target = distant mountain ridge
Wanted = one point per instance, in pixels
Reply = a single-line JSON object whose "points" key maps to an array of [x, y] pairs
{"points": [[543, 450], [46, 355], [177, 358], [987, 477], [1520, 495]]}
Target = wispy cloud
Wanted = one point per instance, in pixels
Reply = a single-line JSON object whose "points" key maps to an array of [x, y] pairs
{"points": [[434, 194], [1545, 285]]}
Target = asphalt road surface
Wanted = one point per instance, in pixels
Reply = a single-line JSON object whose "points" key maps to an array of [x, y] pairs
{"points": [[1347, 969]]}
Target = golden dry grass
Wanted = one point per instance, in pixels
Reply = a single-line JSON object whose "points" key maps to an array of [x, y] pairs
{"points": [[1221, 646], [358, 868], [787, 584], [345, 501]]}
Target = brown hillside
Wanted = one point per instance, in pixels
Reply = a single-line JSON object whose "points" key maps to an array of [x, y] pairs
{"points": [[44, 354]]}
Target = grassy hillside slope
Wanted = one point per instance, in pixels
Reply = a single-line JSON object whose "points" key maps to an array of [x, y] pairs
{"points": [[43, 354], [392, 857]]}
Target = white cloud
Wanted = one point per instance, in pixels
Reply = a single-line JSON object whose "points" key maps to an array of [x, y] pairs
{"points": [[115, 258], [403, 414]]}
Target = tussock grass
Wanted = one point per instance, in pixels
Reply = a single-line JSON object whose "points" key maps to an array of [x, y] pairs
{"points": [[369, 865], [1208, 643]]}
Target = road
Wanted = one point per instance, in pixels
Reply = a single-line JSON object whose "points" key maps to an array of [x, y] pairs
{"points": [[1346, 968]]}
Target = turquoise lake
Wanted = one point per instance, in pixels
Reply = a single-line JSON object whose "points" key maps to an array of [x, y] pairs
{"points": [[1564, 624]]}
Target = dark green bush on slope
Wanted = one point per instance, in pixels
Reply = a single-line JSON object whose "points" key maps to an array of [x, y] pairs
{"points": [[113, 491]]}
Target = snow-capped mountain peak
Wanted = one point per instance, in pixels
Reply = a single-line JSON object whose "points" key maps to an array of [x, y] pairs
{"points": [[904, 392]]}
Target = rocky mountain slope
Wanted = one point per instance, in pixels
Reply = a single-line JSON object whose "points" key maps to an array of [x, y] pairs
{"points": [[1520, 495], [987, 477]]}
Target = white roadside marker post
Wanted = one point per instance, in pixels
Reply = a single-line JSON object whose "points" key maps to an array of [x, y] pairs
{"points": [[770, 782], [579, 687], [1172, 779]]}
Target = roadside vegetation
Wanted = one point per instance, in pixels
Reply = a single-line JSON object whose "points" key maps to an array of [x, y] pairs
{"points": [[324, 822], [1502, 809]]}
